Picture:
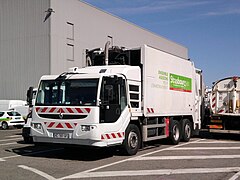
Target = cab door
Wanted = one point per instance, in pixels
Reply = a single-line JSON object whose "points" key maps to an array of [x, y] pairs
{"points": [[199, 106], [113, 99]]}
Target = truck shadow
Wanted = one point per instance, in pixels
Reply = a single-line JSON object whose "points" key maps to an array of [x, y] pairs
{"points": [[76, 153], [219, 136], [65, 153]]}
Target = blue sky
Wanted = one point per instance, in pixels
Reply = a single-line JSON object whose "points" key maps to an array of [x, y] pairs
{"points": [[210, 29]]}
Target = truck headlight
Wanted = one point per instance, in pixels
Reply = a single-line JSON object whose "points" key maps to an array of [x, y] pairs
{"points": [[37, 126], [87, 128]]}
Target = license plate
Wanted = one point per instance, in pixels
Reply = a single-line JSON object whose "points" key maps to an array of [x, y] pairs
{"points": [[60, 135]]}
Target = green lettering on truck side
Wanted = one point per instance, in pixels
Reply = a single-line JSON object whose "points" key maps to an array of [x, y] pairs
{"points": [[180, 83]]}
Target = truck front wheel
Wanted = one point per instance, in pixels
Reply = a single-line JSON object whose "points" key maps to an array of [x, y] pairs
{"points": [[28, 140], [132, 140], [174, 136]]}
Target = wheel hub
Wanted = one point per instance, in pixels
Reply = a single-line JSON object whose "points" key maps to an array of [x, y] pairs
{"points": [[187, 130], [133, 140], [176, 133]]}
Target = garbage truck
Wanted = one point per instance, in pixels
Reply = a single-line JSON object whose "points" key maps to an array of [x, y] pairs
{"points": [[224, 116], [123, 97]]}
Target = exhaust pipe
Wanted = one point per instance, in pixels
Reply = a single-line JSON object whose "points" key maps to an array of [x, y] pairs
{"points": [[89, 61], [106, 52]]}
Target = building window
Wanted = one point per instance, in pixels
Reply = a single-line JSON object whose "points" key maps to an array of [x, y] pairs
{"points": [[70, 52], [70, 31]]}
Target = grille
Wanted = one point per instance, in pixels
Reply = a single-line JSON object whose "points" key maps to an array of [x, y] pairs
{"points": [[63, 116]]}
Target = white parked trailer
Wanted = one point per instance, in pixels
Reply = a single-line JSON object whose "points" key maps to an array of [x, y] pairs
{"points": [[128, 97]]}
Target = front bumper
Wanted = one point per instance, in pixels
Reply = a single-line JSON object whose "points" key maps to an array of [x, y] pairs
{"points": [[84, 142]]}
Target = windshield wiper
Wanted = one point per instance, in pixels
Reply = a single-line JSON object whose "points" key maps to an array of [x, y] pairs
{"points": [[63, 76]]}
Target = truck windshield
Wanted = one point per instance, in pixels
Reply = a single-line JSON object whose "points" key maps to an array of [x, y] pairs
{"points": [[67, 92]]}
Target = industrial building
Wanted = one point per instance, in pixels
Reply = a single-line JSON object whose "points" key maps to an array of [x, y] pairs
{"points": [[30, 47]]}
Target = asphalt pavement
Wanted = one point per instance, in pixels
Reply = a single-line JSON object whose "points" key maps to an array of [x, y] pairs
{"points": [[215, 157]]}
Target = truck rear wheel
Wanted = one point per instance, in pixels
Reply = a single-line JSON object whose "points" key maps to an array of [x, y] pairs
{"points": [[186, 130], [174, 136], [132, 140]]}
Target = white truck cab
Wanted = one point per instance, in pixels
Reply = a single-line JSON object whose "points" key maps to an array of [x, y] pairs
{"points": [[84, 105]]}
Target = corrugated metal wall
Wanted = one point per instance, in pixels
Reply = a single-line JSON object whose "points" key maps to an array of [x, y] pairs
{"points": [[24, 46]]}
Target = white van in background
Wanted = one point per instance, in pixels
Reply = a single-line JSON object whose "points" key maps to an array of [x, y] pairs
{"points": [[15, 105], [11, 104]]}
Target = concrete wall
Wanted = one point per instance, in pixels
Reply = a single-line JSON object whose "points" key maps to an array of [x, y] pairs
{"points": [[30, 47], [91, 30], [24, 46]]}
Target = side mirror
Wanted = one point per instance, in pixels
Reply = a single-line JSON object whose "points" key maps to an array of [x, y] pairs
{"points": [[30, 96]]}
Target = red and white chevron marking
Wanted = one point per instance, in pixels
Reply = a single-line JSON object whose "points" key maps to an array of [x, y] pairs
{"points": [[213, 100], [221, 111], [112, 135], [214, 104], [60, 125], [150, 110], [57, 110]]}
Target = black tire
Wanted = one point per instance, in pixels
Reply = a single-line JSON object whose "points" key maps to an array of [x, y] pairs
{"points": [[132, 141], [4, 125], [28, 140], [174, 136], [186, 130]]}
